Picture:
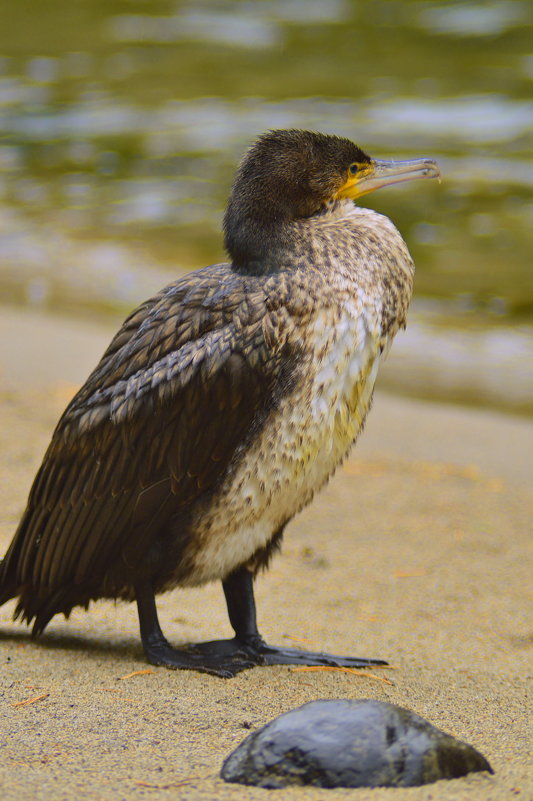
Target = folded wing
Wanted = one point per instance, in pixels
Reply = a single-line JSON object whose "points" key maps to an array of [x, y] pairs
{"points": [[182, 385]]}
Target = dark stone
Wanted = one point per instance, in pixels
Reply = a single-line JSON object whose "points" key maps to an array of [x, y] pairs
{"points": [[350, 744]]}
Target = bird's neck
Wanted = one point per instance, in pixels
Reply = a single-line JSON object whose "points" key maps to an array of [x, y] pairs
{"points": [[259, 245]]}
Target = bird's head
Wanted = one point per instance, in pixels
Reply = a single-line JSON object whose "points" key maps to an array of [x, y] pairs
{"points": [[289, 175]]}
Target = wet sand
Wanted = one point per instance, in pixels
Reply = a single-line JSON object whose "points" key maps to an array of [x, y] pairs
{"points": [[419, 551]]}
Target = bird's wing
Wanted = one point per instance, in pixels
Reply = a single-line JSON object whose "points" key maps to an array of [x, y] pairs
{"points": [[185, 381]]}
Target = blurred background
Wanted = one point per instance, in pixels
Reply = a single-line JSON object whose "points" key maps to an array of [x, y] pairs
{"points": [[121, 123]]}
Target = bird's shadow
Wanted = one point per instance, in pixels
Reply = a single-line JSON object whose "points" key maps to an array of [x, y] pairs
{"points": [[125, 650]]}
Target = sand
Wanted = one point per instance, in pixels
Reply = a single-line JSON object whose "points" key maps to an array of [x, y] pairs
{"points": [[416, 552]]}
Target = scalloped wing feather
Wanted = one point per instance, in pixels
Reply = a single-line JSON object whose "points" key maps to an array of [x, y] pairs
{"points": [[155, 425]]}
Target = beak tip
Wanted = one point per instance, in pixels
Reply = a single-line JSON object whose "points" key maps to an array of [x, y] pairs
{"points": [[433, 171]]}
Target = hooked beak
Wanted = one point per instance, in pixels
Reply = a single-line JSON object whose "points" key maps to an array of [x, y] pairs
{"points": [[383, 173]]}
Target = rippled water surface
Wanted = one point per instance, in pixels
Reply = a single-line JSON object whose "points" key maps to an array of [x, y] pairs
{"points": [[121, 122]]}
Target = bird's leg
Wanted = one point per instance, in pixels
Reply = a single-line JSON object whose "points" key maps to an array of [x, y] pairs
{"points": [[239, 592], [240, 601], [159, 651]]}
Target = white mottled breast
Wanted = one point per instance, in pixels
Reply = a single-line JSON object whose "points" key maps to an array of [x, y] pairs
{"points": [[300, 445]]}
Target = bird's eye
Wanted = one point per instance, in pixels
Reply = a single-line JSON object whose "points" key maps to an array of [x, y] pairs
{"points": [[353, 169]]}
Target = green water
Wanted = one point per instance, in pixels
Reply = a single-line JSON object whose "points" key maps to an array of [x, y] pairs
{"points": [[121, 123]]}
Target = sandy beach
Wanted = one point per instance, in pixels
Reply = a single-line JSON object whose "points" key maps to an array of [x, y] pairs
{"points": [[419, 552]]}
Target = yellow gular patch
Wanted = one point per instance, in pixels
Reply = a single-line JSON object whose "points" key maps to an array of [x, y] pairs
{"points": [[350, 188]]}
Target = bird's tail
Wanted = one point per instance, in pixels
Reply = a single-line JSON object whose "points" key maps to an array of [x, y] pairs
{"points": [[7, 590], [35, 604], [12, 582], [8, 572]]}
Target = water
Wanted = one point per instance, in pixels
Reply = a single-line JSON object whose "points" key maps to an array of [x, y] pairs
{"points": [[121, 123]]}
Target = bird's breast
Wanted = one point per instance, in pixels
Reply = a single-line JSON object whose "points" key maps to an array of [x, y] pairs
{"points": [[300, 444]]}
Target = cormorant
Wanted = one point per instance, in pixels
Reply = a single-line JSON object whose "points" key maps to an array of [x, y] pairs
{"points": [[222, 405]]}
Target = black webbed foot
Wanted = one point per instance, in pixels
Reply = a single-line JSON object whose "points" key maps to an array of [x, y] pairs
{"points": [[224, 662], [238, 589], [236, 655], [274, 655], [227, 658]]}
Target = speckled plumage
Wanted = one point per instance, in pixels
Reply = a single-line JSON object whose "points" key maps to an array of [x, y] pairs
{"points": [[338, 321], [220, 407]]}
